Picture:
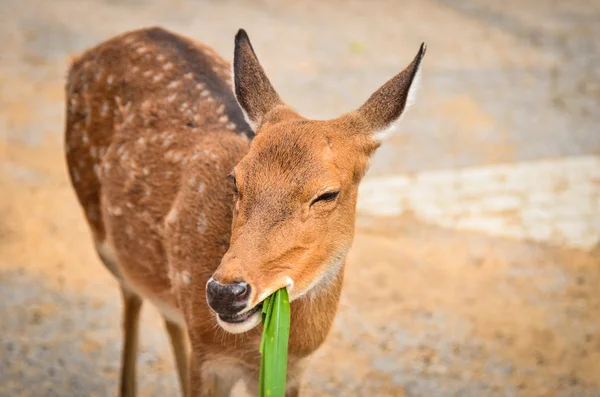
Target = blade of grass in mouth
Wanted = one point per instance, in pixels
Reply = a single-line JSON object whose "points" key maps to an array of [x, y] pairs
{"points": [[274, 344]]}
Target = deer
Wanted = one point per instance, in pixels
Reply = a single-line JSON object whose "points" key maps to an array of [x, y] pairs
{"points": [[205, 193]]}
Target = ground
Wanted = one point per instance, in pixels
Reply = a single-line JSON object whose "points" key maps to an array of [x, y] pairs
{"points": [[476, 266]]}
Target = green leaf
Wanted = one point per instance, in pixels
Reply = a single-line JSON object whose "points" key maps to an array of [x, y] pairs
{"points": [[357, 46], [274, 344]]}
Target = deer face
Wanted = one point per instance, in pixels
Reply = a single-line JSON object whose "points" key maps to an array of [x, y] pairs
{"points": [[296, 191]]}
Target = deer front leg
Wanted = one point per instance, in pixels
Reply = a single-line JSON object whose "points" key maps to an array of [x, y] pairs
{"points": [[131, 318], [210, 380], [180, 345], [295, 374]]}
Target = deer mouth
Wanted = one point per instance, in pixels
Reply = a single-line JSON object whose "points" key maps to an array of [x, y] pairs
{"points": [[241, 322]]}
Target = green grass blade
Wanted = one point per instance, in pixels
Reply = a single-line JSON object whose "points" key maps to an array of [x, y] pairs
{"points": [[274, 344]]}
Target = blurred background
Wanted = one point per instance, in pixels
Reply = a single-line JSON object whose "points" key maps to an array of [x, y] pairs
{"points": [[475, 269]]}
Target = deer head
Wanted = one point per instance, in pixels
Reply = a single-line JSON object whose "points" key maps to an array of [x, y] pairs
{"points": [[296, 190]]}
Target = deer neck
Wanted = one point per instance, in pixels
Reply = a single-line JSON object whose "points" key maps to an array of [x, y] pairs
{"points": [[312, 315]]}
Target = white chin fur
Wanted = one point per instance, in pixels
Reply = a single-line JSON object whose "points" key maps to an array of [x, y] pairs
{"points": [[238, 328]]}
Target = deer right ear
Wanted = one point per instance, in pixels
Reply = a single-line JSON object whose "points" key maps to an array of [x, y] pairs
{"points": [[390, 101], [253, 89]]}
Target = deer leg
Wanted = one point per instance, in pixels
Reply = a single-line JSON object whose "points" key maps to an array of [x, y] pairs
{"points": [[295, 374], [205, 382], [180, 346], [131, 316]]}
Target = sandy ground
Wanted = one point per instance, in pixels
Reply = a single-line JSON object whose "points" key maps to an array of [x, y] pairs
{"points": [[428, 309]]}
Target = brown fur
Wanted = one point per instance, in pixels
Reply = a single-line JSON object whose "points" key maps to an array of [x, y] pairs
{"points": [[153, 131]]}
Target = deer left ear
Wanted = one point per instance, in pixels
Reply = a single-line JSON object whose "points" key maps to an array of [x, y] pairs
{"points": [[253, 89], [390, 101]]}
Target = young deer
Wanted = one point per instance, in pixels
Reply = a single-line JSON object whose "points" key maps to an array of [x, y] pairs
{"points": [[205, 207]]}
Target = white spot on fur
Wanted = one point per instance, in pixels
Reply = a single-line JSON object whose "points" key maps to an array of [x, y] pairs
{"points": [[158, 77], [174, 84], [202, 224], [135, 69], [223, 119], [171, 98], [168, 66], [141, 50], [201, 187], [184, 106], [199, 86], [230, 126], [147, 73], [173, 156], [220, 109], [167, 140], [84, 138], [186, 278], [104, 109], [205, 93], [160, 57], [110, 79], [115, 211], [189, 75], [172, 216]]}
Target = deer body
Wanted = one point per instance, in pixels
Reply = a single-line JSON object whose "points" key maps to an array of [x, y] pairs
{"points": [[153, 131]]}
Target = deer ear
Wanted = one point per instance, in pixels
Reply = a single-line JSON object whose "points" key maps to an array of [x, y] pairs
{"points": [[253, 89], [389, 102]]}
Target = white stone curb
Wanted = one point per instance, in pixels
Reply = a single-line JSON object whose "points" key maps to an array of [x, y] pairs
{"points": [[552, 201]]}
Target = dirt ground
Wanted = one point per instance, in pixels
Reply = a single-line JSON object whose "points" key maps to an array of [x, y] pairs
{"points": [[426, 310]]}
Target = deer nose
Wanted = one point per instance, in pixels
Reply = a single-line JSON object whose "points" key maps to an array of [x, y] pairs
{"points": [[227, 299]]}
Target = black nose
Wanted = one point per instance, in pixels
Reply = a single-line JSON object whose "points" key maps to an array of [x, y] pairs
{"points": [[227, 299]]}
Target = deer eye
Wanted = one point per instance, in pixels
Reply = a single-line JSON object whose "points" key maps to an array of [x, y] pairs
{"points": [[231, 177], [328, 196]]}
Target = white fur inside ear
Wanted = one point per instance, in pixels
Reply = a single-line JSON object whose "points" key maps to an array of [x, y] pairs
{"points": [[412, 91], [411, 98], [251, 123], [385, 133]]}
